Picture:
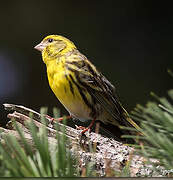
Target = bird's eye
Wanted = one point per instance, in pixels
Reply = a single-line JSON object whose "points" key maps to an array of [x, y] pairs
{"points": [[50, 40]]}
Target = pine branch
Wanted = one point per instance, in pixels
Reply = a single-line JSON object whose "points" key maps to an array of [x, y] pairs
{"points": [[93, 148]]}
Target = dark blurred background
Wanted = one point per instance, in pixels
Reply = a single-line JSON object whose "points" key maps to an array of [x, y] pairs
{"points": [[129, 41]]}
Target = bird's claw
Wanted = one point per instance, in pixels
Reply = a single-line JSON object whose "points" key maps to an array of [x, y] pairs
{"points": [[84, 129]]}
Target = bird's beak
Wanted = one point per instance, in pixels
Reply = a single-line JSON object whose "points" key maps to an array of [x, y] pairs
{"points": [[39, 47]]}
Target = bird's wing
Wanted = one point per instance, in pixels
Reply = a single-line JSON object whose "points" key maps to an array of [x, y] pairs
{"points": [[98, 86], [104, 92]]}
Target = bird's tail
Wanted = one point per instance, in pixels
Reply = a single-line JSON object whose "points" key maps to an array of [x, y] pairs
{"points": [[114, 130], [129, 120]]}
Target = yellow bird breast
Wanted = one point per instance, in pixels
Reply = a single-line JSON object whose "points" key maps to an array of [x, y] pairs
{"points": [[62, 86]]}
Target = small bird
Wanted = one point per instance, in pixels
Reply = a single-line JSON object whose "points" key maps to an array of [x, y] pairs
{"points": [[79, 86]]}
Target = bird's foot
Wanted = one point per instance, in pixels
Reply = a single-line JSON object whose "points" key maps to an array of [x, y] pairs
{"points": [[57, 119], [80, 127], [84, 129]]}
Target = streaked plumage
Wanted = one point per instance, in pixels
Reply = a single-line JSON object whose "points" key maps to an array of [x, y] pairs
{"points": [[78, 85]]}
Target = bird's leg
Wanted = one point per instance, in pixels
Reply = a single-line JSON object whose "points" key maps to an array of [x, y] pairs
{"points": [[57, 119], [61, 118], [86, 129]]}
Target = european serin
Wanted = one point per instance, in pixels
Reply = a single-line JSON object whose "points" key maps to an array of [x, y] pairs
{"points": [[79, 86]]}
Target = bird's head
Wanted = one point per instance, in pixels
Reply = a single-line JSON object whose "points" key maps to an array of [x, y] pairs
{"points": [[53, 46]]}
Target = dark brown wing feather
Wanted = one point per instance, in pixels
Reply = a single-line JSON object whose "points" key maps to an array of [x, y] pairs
{"points": [[97, 85], [104, 92]]}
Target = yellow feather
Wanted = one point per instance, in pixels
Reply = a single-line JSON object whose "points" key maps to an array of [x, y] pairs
{"points": [[60, 86], [78, 85]]}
